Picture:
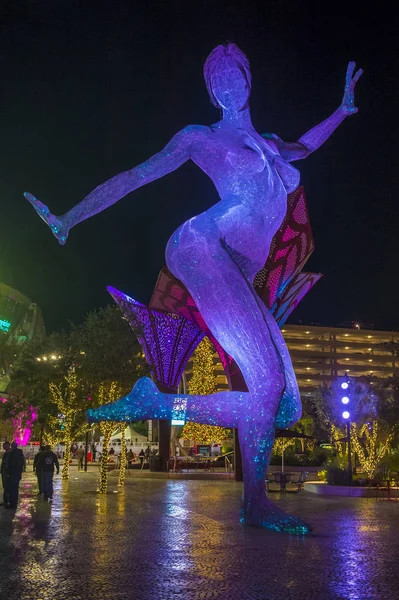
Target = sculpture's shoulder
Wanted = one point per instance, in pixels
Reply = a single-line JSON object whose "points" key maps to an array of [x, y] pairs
{"points": [[193, 132]]}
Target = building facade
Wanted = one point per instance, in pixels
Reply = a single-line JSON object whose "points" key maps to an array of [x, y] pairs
{"points": [[20, 321], [319, 354]]}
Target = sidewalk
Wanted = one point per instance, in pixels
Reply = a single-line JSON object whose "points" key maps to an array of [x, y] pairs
{"points": [[170, 539]]}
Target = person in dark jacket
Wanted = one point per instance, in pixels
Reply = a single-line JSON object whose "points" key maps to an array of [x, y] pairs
{"points": [[35, 469], [46, 463], [4, 476], [80, 454], [15, 466]]}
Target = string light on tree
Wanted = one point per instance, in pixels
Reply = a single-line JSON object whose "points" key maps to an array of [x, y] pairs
{"points": [[122, 457], [281, 444], [66, 401], [106, 393], [368, 446], [203, 382]]}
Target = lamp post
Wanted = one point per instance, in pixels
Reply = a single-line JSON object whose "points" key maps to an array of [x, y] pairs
{"points": [[345, 399]]}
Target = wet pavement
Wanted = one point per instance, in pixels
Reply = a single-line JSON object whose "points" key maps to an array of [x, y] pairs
{"points": [[165, 539]]}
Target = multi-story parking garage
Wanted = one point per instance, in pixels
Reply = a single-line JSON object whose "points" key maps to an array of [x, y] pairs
{"points": [[319, 354]]}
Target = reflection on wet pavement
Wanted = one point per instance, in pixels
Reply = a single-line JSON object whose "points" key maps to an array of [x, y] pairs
{"points": [[160, 539]]}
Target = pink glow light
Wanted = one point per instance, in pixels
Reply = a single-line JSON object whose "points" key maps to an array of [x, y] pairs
{"points": [[22, 433]]}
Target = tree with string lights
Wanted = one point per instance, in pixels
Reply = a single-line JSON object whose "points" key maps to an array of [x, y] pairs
{"points": [[69, 399], [122, 456], [203, 382], [371, 443], [112, 363]]}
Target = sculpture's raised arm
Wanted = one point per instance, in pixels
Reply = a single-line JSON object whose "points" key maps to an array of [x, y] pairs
{"points": [[175, 153], [313, 139]]}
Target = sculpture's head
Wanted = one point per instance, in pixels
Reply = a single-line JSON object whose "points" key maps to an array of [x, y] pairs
{"points": [[228, 77]]}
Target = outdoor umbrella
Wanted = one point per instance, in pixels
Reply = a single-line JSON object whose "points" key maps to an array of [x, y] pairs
{"points": [[287, 433]]}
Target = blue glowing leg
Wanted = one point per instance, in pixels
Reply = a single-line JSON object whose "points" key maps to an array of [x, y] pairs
{"points": [[145, 401]]}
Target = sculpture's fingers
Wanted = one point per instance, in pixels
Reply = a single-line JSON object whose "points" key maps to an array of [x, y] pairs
{"points": [[357, 77], [349, 72]]}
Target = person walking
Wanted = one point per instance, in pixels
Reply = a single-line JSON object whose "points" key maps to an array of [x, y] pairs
{"points": [[47, 461], [15, 466], [35, 469], [141, 457], [147, 454], [80, 454], [4, 476]]}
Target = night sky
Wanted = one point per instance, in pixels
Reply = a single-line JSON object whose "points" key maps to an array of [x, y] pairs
{"points": [[90, 89]]}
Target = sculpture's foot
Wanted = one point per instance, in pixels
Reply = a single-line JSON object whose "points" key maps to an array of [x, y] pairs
{"points": [[145, 401], [267, 515], [56, 224]]}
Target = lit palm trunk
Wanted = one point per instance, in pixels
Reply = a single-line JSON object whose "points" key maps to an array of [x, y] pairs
{"points": [[123, 461]]}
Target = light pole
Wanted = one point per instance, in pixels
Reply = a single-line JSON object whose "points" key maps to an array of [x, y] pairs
{"points": [[345, 399]]}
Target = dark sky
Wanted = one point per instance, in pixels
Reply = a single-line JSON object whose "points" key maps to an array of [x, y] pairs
{"points": [[89, 89]]}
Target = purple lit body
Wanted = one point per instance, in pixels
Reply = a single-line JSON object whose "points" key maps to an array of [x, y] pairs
{"points": [[217, 255]]}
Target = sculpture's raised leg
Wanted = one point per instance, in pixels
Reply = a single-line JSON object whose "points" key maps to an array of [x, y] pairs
{"points": [[145, 401]]}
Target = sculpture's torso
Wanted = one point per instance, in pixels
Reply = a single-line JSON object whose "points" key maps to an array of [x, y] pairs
{"points": [[252, 181]]}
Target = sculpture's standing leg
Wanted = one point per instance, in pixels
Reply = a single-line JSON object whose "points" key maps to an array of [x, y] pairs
{"points": [[244, 328], [256, 442]]}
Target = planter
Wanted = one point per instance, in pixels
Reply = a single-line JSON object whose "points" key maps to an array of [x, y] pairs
{"points": [[340, 490]]}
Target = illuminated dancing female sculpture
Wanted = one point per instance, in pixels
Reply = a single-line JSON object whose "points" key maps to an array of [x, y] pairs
{"points": [[216, 255]]}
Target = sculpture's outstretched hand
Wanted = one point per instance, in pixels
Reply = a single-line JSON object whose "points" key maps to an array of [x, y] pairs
{"points": [[348, 101], [56, 224]]}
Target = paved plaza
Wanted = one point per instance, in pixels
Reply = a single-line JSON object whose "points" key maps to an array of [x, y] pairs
{"points": [[162, 539]]}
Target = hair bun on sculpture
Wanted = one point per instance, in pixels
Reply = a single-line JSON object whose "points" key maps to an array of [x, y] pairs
{"points": [[223, 51]]}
